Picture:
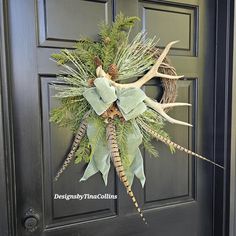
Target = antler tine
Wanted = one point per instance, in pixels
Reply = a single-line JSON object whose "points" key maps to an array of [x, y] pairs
{"points": [[101, 73], [164, 53], [174, 104], [158, 107], [153, 72]]}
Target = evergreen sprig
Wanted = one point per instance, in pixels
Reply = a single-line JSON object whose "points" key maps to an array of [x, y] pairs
{"points": [[84, 151], [67, 115], [79, 66], [131, 58], [100, 132], [156, 123], [135, 58], [113, 36], [122, 131]]}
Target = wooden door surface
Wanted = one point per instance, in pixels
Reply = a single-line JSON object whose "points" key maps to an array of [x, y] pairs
{"points": [[178, 195]]}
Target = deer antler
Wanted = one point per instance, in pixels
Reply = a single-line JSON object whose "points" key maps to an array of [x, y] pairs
{"points": [[159, 107], [153, 72]]}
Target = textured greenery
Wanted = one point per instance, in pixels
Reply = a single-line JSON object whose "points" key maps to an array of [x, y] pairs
{"points": [[100, 135], [122, 131], [78, 66], [156, 123], [67, 115], [78, 69], [84, 151], [113, 36], [133, 59]]}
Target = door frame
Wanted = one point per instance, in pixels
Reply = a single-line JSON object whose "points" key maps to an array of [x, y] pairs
{"points": [[7, 168], [232, 211], [224, 149], [225, 122]]}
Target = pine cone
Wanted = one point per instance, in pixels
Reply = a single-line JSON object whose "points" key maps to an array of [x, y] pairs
{"points": [[107, 40], [91, 82], [97, 61], [113, 71]]}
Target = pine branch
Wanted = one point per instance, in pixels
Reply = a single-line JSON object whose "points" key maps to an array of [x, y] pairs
{"points": [[113, 36], [135, 58], [122, 131], [86, 50], [148, 146], [156, 122], [68, 91], [100, 129], [69, 113], [84, 151]]}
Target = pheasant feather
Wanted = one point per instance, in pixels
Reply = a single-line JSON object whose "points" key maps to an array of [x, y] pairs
{"points": [[95, 79], [173, 144], [116, 159], [78, 137]]}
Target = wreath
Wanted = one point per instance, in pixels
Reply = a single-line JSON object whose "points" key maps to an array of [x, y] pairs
{"points": [[111, 117]]}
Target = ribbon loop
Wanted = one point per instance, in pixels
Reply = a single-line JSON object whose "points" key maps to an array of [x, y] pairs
{"points": [[129, 101]]}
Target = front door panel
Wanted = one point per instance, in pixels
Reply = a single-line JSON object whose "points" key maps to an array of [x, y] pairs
{"points": [[178, 195]]}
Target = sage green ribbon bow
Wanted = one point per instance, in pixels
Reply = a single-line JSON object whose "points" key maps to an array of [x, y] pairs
{"points": [[129, 101], [101, 156]]}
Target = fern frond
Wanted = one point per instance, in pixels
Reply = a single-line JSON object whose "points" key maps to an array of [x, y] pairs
{"points": [[59, 58], [123, 23]]}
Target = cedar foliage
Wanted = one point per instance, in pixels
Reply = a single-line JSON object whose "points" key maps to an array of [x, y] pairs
{"points": [[122, 131], [79, 66]]}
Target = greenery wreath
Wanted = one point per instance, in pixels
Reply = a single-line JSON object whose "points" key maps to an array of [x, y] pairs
{"points": [[110, 117]]}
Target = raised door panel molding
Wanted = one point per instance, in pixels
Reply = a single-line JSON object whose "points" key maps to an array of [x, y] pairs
{"points": [[171, 177], [56, 144], [163, 20], [62, 22]]}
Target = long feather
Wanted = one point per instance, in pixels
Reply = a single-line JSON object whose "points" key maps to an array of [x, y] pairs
{"points": [[78, 137], [112, 141], [175, 145]]}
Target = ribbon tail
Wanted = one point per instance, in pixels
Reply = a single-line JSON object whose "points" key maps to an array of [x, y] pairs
{"points": [[138, 168], [130, 176], [134, 139], [90, 170], [100, 161], [96, 164]]}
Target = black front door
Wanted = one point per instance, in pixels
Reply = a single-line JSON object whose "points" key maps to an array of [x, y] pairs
{"points": [[178, 195]]}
